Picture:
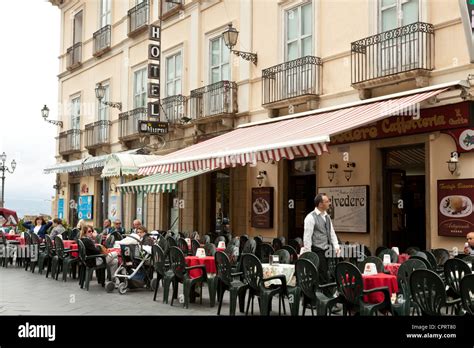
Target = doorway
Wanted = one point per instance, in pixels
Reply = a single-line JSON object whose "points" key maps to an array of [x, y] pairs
{"points": [[220, 199], [73, 201], [404, 197], [301, 192]]}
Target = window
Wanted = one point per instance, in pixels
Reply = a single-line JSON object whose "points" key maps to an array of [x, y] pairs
{"points": [[139, 88], [173, 74], [76, 113], [299, 32], [402, 53], [219, 60], [105, 13], [77, 30]]}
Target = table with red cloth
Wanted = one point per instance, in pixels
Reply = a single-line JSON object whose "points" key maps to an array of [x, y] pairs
{"points": [[71, 244], [377, 281], [392, 268], [220, 249], [208, 261], [12, 236], [403, 257]]}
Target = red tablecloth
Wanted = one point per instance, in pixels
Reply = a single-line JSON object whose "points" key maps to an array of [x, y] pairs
{"points": [[220, 249], [71, 244], [392, 268], [403, 257], [12, 236], [208, 261], [377, 281]]}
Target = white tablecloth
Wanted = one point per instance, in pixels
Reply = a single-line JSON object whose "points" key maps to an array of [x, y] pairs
{"points": [[273, 270]]}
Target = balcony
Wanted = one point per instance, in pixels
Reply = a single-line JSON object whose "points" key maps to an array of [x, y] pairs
{"points": [[70, 142], [102, 39], [74, 56], [171, 8], [128, 124], [97, 134], [393, 56], [294, 82], [174, 108], [213, 102], [138, 19]]}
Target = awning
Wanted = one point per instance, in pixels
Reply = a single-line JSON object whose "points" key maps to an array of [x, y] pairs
{"points": [[285, 138], [84, 163], [158, 182], [123, 164]]}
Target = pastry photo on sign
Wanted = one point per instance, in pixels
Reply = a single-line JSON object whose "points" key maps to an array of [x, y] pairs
{"points": [[260, 206], [456, 206]]}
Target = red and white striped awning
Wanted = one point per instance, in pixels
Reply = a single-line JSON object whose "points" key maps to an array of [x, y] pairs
{"points": [[277, 139]]}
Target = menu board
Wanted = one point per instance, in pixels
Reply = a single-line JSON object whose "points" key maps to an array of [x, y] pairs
{"points": [[262, 207], [455, 210], [85, 206]]}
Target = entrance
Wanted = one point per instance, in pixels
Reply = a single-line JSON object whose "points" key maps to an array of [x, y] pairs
{"points": [[220, 200], [74, 197], [301, 192], [404, 197]]}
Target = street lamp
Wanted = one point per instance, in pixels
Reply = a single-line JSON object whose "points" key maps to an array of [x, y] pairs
{"points": [[230, 39], [45, 114], [100, 93], [4, 168]]}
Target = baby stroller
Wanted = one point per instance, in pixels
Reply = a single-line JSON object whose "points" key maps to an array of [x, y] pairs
{"points": [[135, 270]]}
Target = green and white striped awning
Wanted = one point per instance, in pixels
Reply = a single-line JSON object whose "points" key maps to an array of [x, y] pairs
{"points": [[159, 182]]}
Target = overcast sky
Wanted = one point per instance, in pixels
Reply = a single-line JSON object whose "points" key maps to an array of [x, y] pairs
{"points": [[29, 63]]}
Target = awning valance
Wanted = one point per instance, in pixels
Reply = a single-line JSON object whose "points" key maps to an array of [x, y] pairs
{"points": [[287, 138], [158, 183], [124, 164]]}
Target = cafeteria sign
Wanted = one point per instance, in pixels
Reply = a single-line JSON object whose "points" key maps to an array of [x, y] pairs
{"points": [[262, 207], [455, 207], [349, 208], [153, 127]]}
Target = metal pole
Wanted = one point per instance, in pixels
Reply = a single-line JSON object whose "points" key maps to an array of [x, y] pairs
{"points": [[3, 183]]}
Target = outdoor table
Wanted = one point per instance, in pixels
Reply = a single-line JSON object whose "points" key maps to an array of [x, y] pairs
{"points": [[12, 236], [403, 257], [287, 270], [376, 281], [392, 268], [208, 261], [71, 244], [220, 249]]}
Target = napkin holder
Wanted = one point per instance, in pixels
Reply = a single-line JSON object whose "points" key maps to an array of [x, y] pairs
{"points": [[200, 252], [370, 269], [221, 245], [188, 240], [396, 250], [386, 259], [274, 259], [12, 232]]}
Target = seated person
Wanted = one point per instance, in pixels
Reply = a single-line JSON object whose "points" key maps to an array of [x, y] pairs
{"points": [[39, 227], [58, 228], [88, 237], [118, 227], [469, 248]]}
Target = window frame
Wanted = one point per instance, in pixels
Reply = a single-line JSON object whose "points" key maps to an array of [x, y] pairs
{"points": [[219, 38], [299, 37], [173, 55], [107, 14], [144, 72]]}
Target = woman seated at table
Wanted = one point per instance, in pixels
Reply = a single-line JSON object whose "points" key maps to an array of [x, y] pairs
{"points": [[88, 237], [39, 227], [58, 228]]}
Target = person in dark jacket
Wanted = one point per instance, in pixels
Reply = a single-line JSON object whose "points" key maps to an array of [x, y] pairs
{"points": [[39, 227], [118, 227]]}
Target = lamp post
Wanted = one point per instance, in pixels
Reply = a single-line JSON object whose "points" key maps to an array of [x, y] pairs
{"points": [[45, 114], [4, 168], [230, 39]]}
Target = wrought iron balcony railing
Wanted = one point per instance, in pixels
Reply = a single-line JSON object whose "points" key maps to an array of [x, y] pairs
{"points": [[403, 49], [97, 134], [220, 98], [74, 56], [102, 40], [70, 141], [292, 79], [128, 123], [138, 18], [174, 108]]}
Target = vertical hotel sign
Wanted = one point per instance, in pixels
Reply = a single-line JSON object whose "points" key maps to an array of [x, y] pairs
{"points": [[154, 54], [455, 207], [467, 16]]}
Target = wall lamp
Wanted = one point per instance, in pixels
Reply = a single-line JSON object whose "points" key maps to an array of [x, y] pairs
{"points": [[45, 114], [348, 172], [453, 162], [261, 176], [230, 38], [100, 93], [331, 172]]}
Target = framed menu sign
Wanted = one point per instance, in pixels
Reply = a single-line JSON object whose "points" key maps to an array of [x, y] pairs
{"points": [[349, 208], [262, 207], [455, 207]]}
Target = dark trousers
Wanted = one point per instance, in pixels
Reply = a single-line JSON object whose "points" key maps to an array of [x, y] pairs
{"points": [[323, 265]]}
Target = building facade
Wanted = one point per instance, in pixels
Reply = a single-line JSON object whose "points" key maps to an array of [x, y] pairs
{"points": [[387, 178]]}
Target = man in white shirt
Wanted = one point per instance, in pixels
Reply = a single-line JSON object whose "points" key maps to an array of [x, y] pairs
{"points": [[319, 235]]}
